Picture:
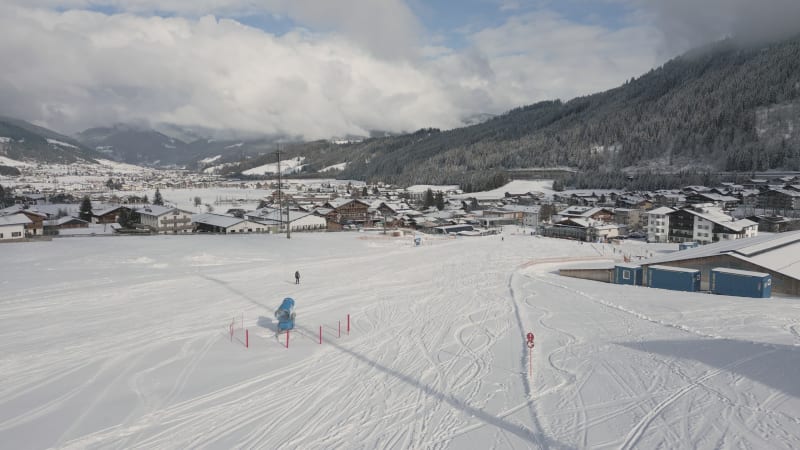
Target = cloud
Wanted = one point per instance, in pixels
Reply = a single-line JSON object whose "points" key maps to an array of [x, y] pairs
{"points": [[388, 28], [690, 23], [78, 68], [75, 69], [541, 55]]}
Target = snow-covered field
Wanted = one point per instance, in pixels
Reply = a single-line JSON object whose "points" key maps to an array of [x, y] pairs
{"points": [[123, 342]]}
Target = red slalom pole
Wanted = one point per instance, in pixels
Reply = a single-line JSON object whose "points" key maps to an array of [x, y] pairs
{"points": [[320, 334], [247, 338], [348, 324]]}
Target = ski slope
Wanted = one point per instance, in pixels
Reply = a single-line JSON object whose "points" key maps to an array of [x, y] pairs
{"points": [[124, 343]]}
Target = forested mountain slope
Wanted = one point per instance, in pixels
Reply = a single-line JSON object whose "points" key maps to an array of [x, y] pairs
{"points": [[723, 107]]}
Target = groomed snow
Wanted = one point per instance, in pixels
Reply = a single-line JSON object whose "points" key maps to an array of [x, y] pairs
{"points": [[60, 143], [286, 166], [123, 342]]}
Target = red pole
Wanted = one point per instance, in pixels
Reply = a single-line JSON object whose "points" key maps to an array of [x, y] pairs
{"points": [[247, 338], [287, 338], [348, 324], [320, 334]]}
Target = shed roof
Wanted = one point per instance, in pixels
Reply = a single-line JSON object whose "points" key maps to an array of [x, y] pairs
{"points": [[674, 269], [741, 272], [774, 252], [217, 220]]}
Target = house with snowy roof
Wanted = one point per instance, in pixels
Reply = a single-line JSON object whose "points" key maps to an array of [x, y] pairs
{"points": [[37, 218], [219, 223], [165, 219], [585, 212], [298, 220], [706, 224], [658, 224], [12, 227], [348, 211]]}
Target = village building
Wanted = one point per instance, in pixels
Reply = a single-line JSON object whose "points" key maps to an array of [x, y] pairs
{"points": [[218, 223], [52, 226], [12, 227], [658, 224], [348, 212], [107, 214], [165, 219], [299, 220]]}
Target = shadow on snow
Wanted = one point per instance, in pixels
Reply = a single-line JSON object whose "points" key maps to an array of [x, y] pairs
{"points": [[773, 365]]}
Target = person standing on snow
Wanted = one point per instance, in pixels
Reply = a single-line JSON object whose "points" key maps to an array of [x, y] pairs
{"points": [[297, 277]]}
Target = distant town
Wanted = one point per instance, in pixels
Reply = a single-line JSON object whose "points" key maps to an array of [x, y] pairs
{"points": [[49, 201]]}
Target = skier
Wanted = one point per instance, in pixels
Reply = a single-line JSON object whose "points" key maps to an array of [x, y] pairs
{"points": [[297, 277]]}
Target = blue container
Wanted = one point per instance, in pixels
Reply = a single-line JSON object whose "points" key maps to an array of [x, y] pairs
{"points": [[685, 245], [741, 283], [628, 274], [285, 314], [673, 278]]}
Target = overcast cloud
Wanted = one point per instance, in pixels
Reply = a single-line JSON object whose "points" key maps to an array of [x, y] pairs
{"points": [[362, 65]]}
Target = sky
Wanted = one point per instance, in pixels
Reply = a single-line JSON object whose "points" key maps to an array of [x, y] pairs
{"points": [[321, 69], [131, 348]]}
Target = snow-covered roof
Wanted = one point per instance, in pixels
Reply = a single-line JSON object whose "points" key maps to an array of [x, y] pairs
{"points": [[718, 217], [105, 210], [66, 219], [217, 220], [776, 252], [661, 211], [155, 210], [522, 208], [674, 269], [15, 219], [741, 272]]}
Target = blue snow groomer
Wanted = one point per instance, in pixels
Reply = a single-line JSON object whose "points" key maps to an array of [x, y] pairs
{"points": [[285, 314]]}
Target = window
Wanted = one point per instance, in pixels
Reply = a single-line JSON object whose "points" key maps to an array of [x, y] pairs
{"points": [[626, 274], [16, 234]]}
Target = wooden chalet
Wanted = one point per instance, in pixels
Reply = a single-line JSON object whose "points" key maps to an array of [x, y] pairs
{"points": [[348, 212]]}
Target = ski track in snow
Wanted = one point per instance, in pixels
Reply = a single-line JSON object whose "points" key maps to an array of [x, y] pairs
{"points": [[436, 356]]}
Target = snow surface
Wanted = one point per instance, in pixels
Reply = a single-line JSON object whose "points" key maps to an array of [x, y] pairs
{"points": [[210, 159], [340, 166], [60, 143], [287, 166], [4, 161], [513, 187], [123, 342]]}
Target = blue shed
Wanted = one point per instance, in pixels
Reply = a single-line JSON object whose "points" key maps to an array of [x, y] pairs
{"points": [[741, 283], [628, 274], [673, 278]]}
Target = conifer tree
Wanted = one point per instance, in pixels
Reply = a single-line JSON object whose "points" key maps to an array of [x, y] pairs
{"points": [[86, 209], [439, 201], [429, 200], [158, 199]]}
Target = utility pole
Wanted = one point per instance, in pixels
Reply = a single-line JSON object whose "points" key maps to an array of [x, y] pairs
{"points": [[280, 201]]}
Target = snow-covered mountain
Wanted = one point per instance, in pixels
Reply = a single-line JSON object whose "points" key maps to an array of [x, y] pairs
{"points": [[25, 142]]}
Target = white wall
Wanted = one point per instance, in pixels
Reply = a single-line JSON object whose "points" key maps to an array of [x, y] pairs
{"points": [[10, 232]]}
